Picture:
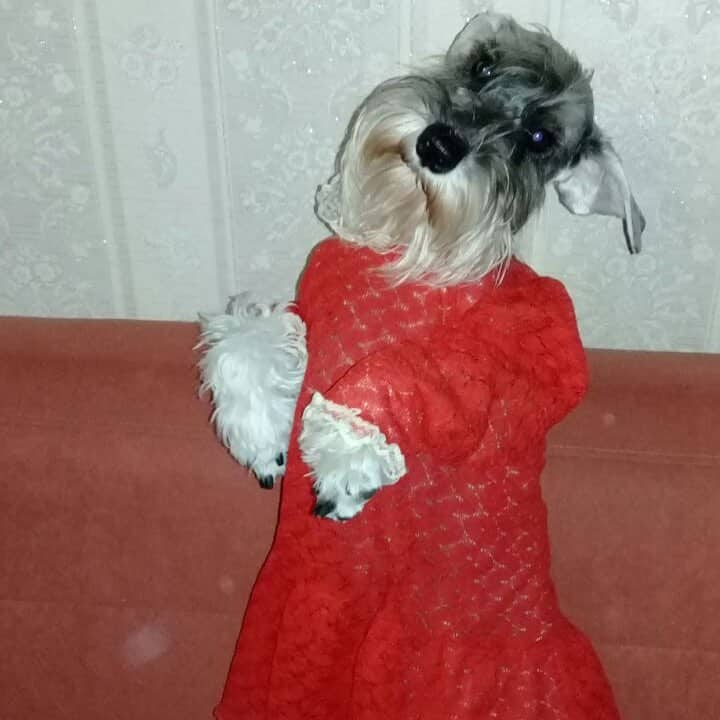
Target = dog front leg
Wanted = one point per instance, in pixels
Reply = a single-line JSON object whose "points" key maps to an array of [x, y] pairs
{"points": [[254, 365], [350, 458]]}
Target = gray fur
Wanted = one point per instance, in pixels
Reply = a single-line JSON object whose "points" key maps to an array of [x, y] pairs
{"points": [[497, 87]]}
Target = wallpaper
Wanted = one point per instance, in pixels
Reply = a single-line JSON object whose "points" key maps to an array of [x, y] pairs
{"points": [[157, 157]]}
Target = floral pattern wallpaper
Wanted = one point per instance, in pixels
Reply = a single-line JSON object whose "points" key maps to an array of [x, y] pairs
{"points": [[157, 157]]}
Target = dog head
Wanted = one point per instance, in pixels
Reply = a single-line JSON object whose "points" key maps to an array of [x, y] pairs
{"points": [[446, 165]]}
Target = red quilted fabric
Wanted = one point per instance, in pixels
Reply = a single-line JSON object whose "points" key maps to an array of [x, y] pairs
{"points": [[436, 601]]}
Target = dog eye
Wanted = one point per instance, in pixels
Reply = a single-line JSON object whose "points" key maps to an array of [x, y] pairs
{"points": [[483, 63], [540, 140]]}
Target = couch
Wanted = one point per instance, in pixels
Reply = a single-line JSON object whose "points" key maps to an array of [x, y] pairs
{"points": [[129, 539]]}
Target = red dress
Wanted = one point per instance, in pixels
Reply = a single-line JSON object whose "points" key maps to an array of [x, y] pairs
{"points": [[435, 603]]}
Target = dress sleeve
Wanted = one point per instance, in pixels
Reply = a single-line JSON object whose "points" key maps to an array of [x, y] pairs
{"points": [[520, 345], [533, 334], [423, 398]]}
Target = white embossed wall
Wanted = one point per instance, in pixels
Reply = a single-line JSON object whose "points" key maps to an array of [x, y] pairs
{"points": [[156, 157]]}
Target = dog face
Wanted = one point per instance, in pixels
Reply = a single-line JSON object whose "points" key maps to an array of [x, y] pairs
{"points": [[446, 165]]}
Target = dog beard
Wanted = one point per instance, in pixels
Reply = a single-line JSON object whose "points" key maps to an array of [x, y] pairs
{"points": [[447, 229]]}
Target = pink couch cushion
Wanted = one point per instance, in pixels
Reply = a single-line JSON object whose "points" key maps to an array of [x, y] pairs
{"points": [[129, 539], [633, 490]]}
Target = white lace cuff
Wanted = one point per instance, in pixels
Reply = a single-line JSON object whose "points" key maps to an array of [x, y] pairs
{"points": [[335, 439]]}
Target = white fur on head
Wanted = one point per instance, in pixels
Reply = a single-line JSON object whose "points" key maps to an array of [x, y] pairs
{"points": [[447, 228], [254, 366]]}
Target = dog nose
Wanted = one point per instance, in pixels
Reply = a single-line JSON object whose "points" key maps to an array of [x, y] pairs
{"points": [[440, 148]]}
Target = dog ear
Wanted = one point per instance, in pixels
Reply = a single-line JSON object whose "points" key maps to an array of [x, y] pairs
{"points": [[597, 185], [477, 30]]}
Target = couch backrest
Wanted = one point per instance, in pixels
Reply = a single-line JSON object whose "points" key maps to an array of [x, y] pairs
{"points": [[129, 540], [633, 490]]}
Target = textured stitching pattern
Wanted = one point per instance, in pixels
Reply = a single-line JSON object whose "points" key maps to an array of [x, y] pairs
{"points": [[436, 601]]}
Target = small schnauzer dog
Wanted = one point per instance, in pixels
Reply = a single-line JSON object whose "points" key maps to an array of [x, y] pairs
{"points": [[442, 168]]}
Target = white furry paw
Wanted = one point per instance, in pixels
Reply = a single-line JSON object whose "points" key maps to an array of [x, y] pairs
{"points": [[254, 366], [350, 458]]}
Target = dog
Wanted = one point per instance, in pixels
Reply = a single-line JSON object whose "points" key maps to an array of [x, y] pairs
{"points": [[439, 170]]}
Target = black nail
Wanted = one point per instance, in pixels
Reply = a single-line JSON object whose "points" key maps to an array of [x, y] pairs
{"points": [[323, 509], [280, 459], [266, 482]]}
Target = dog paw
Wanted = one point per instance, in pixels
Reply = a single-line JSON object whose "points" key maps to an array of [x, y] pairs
{"points": [[254, 365], [349, 458], [336, 503], [268, 472]]}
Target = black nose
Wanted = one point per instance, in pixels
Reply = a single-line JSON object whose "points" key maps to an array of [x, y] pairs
{"points": [[440, 148]]}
